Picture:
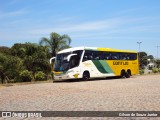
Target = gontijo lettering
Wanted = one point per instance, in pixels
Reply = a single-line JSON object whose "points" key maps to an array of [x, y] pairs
{"points": [[120, 63]]}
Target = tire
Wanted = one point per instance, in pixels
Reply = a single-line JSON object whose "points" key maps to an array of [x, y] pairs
{"points": [[127, 75], [86, 76], [123, 74]]}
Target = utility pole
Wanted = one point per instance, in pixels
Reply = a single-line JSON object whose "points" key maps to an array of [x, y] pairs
{"points": [[157, 51], [139, 43]]}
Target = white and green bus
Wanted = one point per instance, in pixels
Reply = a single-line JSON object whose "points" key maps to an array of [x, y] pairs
{"points": [[91, 62]]}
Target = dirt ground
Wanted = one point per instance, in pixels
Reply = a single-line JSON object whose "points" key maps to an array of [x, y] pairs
{"points": [[138, 93]]}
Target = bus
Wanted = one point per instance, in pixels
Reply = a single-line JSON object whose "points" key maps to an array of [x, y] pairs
{"points": [[92, 62]]}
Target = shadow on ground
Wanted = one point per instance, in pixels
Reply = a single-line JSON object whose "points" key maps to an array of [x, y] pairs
{"points": [[80, 80]]}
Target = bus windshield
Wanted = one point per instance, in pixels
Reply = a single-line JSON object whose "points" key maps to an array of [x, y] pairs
{"points": [[62, 64]]}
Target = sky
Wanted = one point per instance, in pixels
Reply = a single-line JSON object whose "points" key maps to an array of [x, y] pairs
{"points": [[118, 24]]}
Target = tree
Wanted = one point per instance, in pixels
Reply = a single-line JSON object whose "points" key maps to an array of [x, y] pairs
{"points": [[35, 57], [41, 60], [142, 59], [56, 42], [150, 57], [158, 63], [3, 59], [5, 50], [9, 66]]}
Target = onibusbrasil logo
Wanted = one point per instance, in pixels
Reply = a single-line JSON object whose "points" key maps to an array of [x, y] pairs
{"points": [[21, 114]]}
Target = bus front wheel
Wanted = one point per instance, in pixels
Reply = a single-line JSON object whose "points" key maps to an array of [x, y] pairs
{"points": [[86, 75]]}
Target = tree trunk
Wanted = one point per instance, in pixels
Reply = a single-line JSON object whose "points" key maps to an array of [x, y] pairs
{"points": [[2, 78], [53, 53]]}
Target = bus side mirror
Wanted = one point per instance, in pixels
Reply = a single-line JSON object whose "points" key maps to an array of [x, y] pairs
{"points": [[50, 61], [69, 57]]}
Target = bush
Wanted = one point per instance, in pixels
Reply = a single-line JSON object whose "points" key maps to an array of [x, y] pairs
{"points": [[40, 76], [155, 70], [25, 76], [141, 72]]}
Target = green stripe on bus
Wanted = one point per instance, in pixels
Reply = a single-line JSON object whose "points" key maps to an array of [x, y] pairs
{"points": [[99, 66], [106, 66]]}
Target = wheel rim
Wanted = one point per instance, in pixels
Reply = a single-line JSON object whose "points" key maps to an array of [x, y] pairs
{"points": [[123, 74], [85, 76], [127, 75]]}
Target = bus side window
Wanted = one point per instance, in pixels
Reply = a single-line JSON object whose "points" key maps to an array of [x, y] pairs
{"points": [[90, 57], [98, 55], [133, 56], [74, 61], [87, 56], [127, 56], [94, 55], [106, 56], [114, 56], [97, 58], [124, 56], [101, 55]]}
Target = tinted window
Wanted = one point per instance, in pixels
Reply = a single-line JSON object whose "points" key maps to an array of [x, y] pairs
{"points": [[128, 56], [103, 55], [133, 56], [114, 56], [88, 55], [124, 56], [97, 55], [75, 60]]}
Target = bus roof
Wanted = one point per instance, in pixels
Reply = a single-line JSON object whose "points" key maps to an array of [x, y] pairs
{"points": [[94, 49]]}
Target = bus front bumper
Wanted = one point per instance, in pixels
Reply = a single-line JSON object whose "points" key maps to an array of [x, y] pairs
{"points": [[58, 76], [61, 77]]}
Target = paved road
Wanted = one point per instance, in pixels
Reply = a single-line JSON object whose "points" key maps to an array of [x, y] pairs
{"points": [[139, 93]]}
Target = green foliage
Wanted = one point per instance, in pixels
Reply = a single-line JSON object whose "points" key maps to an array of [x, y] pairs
{"points": [[28, 56], [155, 70], [19, 50], [5, 50], [35, 57], [3, 60], [40, 76], [25, 76], [141, 72], [150, 57], [143, 57], [20, 62], [158, 63], [9, 66]]}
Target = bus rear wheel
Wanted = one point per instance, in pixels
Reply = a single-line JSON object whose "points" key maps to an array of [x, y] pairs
{"points": [[127, 74], [86, 75], [123, 74]]}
